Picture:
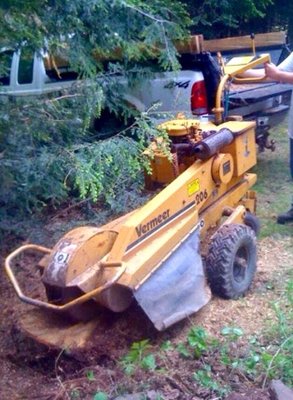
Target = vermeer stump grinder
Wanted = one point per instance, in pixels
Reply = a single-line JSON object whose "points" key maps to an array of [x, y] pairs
{"points": [[197, 233]]}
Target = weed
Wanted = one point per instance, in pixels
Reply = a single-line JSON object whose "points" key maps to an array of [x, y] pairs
{"points": [[280, 364], [232, 333], [183, 350], [197, 340], [275, 360], [167, 346], [278, 359], [226, 359], [205, 378], [137, 356], [75, 394], [149, 362], [197, 343], [100, 396], [90, 375], [250, 364]]}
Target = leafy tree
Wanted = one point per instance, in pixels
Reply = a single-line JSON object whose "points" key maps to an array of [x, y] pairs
{"points": [[47, 148], [214, 18], [83, 28], [280, 16]]}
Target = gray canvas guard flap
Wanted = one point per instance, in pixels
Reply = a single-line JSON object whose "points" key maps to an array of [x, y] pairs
{"points": [[177, 288]]}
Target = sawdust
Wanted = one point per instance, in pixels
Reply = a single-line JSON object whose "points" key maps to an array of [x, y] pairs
{"points": [[253, 312], [32, 371]]}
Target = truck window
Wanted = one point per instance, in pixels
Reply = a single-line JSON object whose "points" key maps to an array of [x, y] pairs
{"points": [[25, 69], [58, 69], [5, 62]]}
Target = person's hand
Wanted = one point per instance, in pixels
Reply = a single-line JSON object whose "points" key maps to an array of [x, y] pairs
{"points": [[272, 72]]}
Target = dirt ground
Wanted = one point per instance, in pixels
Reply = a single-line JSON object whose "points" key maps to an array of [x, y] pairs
{"points": [[33, 371]]}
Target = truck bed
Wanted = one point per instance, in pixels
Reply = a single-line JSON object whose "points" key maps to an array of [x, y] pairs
{"points": [[267, 103], [251, 93]]}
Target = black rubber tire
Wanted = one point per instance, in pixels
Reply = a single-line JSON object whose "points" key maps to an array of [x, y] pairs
{"points": [[253, 222], [231, 261]]}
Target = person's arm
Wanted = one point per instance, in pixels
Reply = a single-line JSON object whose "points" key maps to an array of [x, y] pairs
{"points": [[274, 73], [281, 73], [255, 73]]}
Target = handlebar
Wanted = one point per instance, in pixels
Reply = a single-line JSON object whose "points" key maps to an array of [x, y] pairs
{"points": [[45, 304]]}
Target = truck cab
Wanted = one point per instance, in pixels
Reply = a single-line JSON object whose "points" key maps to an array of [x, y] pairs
{"points": [[29, 73]]}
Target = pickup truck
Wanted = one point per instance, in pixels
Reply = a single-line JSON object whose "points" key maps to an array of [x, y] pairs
{"points": [[191, 90]]}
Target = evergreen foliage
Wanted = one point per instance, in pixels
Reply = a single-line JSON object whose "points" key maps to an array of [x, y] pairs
{"points": [[224, 18], [48, 154], [48, 151], [83, 29]]}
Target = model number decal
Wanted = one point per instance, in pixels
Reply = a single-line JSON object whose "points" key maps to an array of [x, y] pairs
{"points": [[201, 196], [193, 187], [180, 84]]}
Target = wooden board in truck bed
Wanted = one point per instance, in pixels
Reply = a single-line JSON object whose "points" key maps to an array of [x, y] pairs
{"points": [[196, 43]]}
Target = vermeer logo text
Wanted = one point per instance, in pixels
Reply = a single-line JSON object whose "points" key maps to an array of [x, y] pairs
{"points": [[143, 229]]}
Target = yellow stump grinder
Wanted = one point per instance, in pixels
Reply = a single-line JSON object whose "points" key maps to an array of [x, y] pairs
{"points": [[200, 228]]}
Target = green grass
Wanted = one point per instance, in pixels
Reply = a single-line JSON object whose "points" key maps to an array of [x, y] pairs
{"points": [[274, 185]]}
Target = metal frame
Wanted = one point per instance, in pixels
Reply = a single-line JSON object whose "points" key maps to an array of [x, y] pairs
{"points": [[44, 304]]}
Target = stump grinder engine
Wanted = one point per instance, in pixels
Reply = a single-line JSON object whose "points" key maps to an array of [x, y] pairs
{"points": [[197, 233]]}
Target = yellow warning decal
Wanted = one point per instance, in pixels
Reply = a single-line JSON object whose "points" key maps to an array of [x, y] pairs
{"points": [[193, 187]]}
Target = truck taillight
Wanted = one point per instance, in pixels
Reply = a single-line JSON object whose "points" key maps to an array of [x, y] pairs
{"points": [[199, 103]]}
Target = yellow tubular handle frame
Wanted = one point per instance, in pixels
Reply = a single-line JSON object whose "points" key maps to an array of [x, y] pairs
{"points": [[232, 76], [258, 79], [218, 110], [44, 304]]}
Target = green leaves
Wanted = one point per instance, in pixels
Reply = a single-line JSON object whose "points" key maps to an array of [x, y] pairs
{"points": [[232, 332], [100, 396], [197, 339], [122, 29], [49, 148], [139, 356], [183, 350], [206, 379], [226, 18], [197, 343], [149, 362], [90, 375]]}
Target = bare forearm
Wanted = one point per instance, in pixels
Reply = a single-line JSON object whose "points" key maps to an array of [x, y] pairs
{"points": [[284, 77], [277, 74], [255, 73]]}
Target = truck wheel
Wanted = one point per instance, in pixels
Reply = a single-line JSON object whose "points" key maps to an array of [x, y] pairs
{"points": [[253, 222], [231, 260]]}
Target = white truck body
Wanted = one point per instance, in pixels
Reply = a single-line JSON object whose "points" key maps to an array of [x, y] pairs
{"points": [[171, 91]]}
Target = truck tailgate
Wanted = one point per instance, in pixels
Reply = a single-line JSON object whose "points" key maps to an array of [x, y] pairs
{"points": [[252, 93]]}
